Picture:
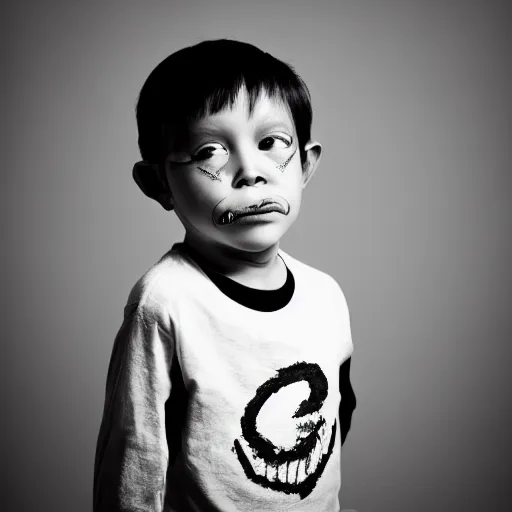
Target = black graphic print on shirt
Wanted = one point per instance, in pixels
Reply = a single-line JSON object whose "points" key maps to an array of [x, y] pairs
{"points": [[296, 469]]}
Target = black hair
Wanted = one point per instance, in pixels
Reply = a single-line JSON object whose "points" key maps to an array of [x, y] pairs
{"points": [[204, 79]]}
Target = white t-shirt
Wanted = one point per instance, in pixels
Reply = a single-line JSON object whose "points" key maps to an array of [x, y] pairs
{"points": [[212, 405]]}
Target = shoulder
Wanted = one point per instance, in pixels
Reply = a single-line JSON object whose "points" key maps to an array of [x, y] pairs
{"points": [[164, 281]]}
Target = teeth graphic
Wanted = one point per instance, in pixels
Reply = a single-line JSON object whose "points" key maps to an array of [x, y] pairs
{"points": [[317, 453], [325, 443], [259, 467], [292, 471], [310, 462], [321, 434], [321, 447], [281, 472], [271, 473], [302, 471]]}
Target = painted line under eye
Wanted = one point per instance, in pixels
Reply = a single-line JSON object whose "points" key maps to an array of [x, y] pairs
{"points": [[281, 167], [211, 175]]}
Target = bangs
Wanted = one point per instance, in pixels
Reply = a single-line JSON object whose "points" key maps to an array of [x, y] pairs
{"points": [[222, 93], [225, 97]]}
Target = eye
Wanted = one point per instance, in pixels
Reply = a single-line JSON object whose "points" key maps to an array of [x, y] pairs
{"points": [[274, 142], [211, 150]]}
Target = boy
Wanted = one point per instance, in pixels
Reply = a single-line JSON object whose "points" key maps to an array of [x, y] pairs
{"points": [[228, 387]]}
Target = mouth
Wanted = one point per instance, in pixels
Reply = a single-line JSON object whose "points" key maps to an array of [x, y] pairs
{"points": [[283, 473], [265, 206]]}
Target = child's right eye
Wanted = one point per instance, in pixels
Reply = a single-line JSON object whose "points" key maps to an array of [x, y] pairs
{"points": [[209, 151]]}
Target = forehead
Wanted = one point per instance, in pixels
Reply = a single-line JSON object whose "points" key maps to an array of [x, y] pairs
{"points": [[267, 111]]}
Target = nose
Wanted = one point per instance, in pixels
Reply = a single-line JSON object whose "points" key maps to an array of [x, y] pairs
{"points": [[249, 168]]}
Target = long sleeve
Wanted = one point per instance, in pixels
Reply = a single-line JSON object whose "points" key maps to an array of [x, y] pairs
{"points": [[348, 399], [132, 452]]}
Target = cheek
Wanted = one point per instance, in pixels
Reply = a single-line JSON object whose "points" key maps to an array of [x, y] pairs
{"points": [[292, 183], [194, 196]]}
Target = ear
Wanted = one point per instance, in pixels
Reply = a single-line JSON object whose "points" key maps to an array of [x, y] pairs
{"points": [[313, 151], [151, 180]]}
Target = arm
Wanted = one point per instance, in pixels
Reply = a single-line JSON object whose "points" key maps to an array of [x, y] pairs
{"points": [[132, 452], [348, 399]]}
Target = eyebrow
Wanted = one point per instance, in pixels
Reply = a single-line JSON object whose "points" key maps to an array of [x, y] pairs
{"points": [[266, 123], [275, 123], [206, 131], [269, 119]]}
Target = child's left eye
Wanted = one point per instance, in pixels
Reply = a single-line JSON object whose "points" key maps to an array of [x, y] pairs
{"points": [[273, 141]]}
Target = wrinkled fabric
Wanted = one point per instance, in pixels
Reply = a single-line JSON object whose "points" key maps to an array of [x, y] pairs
{"points": [[210, 405]]}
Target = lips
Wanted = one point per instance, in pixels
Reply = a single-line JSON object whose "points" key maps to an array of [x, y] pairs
{"points": [[265, 206]]}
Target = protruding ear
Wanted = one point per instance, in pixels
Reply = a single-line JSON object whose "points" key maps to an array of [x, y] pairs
{"points": [[152, 182], [313, 151]]}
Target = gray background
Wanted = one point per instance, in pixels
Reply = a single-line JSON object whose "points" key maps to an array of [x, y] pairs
{"points": [[410, 211]]}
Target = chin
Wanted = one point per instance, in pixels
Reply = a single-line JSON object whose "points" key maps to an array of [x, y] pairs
{"points": [[252, 241]]}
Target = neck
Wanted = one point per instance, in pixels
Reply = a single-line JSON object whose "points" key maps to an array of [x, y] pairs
{"points": [[259, 269]]}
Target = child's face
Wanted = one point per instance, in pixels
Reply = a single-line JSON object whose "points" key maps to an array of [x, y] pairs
{"points": [[238, 179]]}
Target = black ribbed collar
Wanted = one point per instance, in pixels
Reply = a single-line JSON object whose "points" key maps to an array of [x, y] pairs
{"points": [[253, 298]]}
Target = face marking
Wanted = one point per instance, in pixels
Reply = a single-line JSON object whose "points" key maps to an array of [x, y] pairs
{"points": [[296, 469], [209, 174], [281, 167]]}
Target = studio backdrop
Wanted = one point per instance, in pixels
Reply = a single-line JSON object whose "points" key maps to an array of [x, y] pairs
{"points": [[410, 211]]}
